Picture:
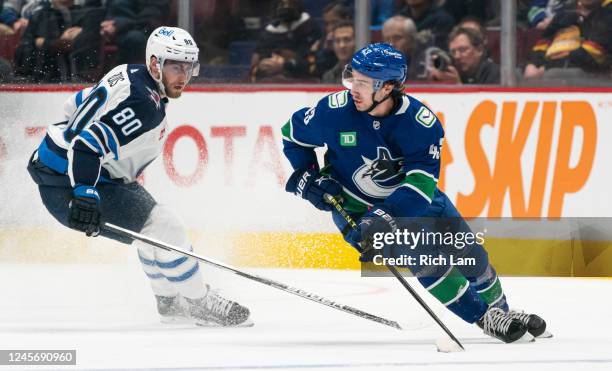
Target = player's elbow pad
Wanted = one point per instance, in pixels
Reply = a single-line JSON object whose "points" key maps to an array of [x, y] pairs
{"points": [[299, 157]]}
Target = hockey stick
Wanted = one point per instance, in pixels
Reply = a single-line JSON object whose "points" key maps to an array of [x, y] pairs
{"points": [[268, 282], [330, 199]]}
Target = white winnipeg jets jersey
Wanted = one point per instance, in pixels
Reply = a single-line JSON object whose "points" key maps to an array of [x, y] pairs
{"points": [[113, 130]]}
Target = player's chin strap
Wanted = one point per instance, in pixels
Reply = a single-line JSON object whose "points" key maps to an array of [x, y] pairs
{"points": [[375, 103], [160, 84]]}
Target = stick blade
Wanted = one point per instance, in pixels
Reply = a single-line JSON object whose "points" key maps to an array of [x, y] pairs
{"points": [[448, 346]]}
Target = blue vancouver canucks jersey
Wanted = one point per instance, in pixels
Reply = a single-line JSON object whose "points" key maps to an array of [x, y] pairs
{"points": [[393, 159], [113, 130]]}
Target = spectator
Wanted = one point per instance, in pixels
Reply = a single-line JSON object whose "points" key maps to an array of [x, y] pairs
{"points": [[400, 32], [283, 43], [470, 63], [128, 24], [255, 14], [430, 18], [541, 12], [344, 48], [576, 43], [334, 12], [5, 29], [474, 23], [478, 26], [60, 41], [16, 13], [322, 56]]}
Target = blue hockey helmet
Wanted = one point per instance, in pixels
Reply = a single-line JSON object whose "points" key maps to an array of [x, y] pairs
{"points": [[381, 62]]}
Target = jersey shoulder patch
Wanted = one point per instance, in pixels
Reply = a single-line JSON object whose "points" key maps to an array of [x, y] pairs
{"points": [[116, 77], [425, 117], [420, 113], [338, 100]]}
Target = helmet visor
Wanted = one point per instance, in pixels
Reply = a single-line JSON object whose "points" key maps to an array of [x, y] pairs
{"points": [[360, 82], [177, 67]]}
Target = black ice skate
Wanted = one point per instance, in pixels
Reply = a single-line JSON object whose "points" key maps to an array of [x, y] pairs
{"points": [[535, 324], [215, 310], [497, 323], [171, 310]]}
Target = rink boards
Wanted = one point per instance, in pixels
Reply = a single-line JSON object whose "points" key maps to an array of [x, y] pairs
{"points": [[517, 153]]}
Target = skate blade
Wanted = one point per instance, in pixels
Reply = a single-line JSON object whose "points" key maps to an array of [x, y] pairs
{"points": [[248, 323], [545, 335], [527, 338], [173, 320]]}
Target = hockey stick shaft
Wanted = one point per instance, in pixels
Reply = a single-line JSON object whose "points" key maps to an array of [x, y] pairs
{"points": [[268, 282], [349, 219]]}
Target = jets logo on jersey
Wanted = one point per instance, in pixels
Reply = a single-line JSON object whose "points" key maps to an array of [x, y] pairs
{"points": [[114, 79], [154, 97], [379, 177]]}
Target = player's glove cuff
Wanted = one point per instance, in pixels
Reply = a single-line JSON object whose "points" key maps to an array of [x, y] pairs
{"points": [[85, 191], [309, 184], [378, 219], [84, 213]]}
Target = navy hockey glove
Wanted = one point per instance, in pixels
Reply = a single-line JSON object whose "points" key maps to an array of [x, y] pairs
{"points": [[312, 186], [84, 210], [378, 219]]}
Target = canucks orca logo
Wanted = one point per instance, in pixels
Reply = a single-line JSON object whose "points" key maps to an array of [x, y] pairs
{"points": [[381, 176]]}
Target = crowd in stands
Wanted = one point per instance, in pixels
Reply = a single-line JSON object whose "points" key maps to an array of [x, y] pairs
{"points": [[308, 41]]}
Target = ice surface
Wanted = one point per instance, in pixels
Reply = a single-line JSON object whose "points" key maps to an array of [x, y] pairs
{"points": [[107, 313]]}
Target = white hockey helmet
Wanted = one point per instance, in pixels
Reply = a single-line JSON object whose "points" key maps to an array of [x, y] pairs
{"points": [[175, 44]]}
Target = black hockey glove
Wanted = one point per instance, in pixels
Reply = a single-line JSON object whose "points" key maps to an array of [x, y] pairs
{"points": [[312, 186], [84, 210], [378, 219]]}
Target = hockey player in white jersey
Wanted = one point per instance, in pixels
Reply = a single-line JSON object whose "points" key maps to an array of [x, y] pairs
{"points": [[86, 170]]}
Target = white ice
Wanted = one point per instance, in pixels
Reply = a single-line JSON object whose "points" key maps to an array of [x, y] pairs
{"points": [[107, 313]]}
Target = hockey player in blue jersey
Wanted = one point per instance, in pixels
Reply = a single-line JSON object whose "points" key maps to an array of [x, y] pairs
{"points": [[86, 170], [383, 161]]}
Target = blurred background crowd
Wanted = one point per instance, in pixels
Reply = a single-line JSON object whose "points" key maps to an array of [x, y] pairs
{"points": [[558, 42]]}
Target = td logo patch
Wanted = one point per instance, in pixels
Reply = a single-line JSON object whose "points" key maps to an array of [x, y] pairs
{"points": [[348, 139]]}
